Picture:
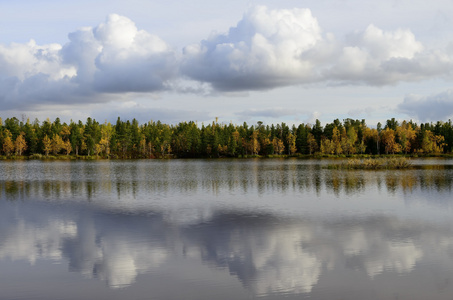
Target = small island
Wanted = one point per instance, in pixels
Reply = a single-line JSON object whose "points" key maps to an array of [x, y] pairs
{"points": [[390, 163]]}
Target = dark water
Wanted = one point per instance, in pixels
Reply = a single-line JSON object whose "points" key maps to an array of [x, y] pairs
{"points": [[224, 229]]}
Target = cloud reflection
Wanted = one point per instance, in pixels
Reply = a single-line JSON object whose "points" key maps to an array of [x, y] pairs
{"points": [[268, 254]]}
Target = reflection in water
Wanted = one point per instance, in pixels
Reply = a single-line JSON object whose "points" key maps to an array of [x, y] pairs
{"points": [[131, 180], [142, 218]]}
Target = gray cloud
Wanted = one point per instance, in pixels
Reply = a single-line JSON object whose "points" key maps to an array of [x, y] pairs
{"points": [[146, 114], [430, 108], [271, 112]]}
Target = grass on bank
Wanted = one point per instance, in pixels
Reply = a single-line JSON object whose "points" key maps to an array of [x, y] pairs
{"points": [[373, 164], [354, 161]]}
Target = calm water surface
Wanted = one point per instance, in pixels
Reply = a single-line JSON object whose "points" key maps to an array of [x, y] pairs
{"points": [[224, 229]]}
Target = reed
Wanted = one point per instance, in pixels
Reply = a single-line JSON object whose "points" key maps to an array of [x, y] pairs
{"points": [[374, 163]]}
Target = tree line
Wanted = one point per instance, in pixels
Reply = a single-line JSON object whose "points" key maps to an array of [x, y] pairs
{"points": [[129, 139]]}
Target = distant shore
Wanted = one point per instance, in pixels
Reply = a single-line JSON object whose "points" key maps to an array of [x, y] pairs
{"points": [[356, 157]]}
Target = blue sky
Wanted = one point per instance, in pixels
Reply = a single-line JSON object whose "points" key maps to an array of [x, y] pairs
{"points": [[285, 61]]}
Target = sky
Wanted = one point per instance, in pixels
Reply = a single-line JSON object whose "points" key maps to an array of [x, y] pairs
{"points": [[238, 61]]}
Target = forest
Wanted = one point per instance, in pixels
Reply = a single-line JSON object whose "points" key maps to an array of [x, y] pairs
{"points": [[129, 139]]}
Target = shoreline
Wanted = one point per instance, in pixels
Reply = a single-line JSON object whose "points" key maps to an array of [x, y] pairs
{"points": [[298, 156]]}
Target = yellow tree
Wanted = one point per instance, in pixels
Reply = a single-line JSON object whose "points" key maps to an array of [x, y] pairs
{"points": [[327, 146], [47, 144], [104, 145], [312, 144], [336, 143], [439, 143], [254, 144], [406, 136], [57, 144], [291, 139], [8, 145], [106, 135], [278, 145], [67, 147], [267, 146], [389, 142], [236, 136], [432, 143], [97, 149], [222, 150], [20, 144], [352, 139], [65, 132]]}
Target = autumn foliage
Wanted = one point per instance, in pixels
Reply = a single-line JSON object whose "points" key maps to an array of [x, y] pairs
{"points": [[129, 139]]}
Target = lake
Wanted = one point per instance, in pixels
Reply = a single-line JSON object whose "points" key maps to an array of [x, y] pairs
{"points": [[224, 229]]}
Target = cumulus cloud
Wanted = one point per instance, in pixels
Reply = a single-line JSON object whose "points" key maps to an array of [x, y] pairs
{"points": [[266, 49], [27, 60], [428, 108], [377, 57], [274, 48], [131, 60], [263, 51], [32, 73], [114, 57]]}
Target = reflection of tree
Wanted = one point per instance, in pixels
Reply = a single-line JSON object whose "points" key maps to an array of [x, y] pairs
{"points": [[350, 182], [126, 180]]}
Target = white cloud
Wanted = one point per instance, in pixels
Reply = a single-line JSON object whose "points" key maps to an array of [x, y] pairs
{"points": [[30, 73], [377, 57], [275, 48], [131, 60], [429, 108], [386, 45], [263, 51], [267, 49], [114, 57], [27, 60]]}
